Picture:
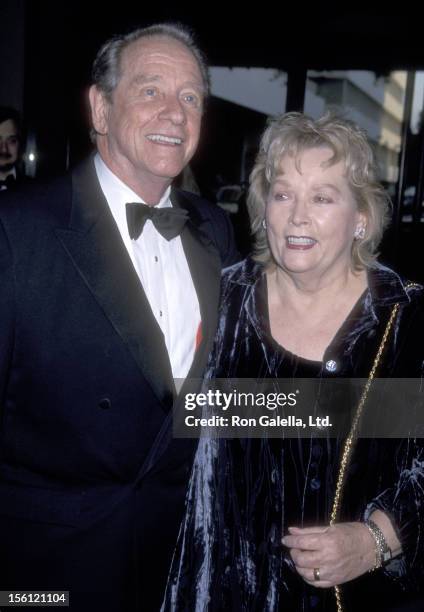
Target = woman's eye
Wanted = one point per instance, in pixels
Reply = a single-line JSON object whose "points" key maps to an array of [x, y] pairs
{"points": [[323, 199], [280, 196]]}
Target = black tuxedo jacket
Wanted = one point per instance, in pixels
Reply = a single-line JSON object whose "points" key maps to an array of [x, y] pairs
{"points": [[92, 483]]}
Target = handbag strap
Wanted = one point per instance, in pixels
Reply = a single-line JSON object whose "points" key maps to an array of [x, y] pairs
{"points": [[352, 437]]}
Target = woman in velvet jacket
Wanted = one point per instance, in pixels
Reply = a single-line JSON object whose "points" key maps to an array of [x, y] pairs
{"points": [[330, 523]]}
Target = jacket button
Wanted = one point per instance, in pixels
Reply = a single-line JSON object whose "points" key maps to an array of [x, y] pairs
{"points": [[331, 365], [315, 484], [105, 403]]}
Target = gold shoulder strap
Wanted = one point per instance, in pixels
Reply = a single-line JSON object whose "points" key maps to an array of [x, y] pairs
{"points": [[350, 440]]}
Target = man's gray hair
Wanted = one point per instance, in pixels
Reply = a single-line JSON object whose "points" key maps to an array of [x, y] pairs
{"points": [[106, 70]]}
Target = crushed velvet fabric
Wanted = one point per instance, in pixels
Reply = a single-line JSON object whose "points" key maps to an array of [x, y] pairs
{"points": [[243, 494]]}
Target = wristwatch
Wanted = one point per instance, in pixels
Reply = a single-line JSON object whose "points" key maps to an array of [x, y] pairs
{"points": [[383, 552]]}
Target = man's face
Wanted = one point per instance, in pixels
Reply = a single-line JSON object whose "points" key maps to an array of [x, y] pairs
{"points": [[150, 130], [9, 145]]}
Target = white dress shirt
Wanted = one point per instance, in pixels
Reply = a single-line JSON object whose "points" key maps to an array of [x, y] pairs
{"points": [[163, 271], [11, 173]]}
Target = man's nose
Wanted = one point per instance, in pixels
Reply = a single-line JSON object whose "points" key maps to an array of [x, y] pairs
{"points": [[3, 146], [174, 111]]}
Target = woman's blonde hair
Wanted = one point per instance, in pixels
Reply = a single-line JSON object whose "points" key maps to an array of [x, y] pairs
{"points": [[292, 134]]}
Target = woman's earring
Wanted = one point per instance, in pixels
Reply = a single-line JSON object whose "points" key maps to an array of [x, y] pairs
{"points": [[359, 233], [264, 224]]}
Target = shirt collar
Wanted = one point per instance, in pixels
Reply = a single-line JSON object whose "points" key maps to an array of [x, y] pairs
{"points": [[116, 192], [11, 172]]}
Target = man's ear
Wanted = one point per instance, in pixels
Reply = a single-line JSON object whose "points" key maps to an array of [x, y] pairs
{"points": [[99, 110]]}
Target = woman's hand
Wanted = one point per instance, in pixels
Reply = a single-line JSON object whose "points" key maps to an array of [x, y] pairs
{"points": [[340, 552]]}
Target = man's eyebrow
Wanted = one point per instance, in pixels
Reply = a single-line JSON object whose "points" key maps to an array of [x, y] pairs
{"points": [[142, 79]]}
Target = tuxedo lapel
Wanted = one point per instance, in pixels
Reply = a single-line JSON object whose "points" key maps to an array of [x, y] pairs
{"points": [[95, 247], [205, 268]]}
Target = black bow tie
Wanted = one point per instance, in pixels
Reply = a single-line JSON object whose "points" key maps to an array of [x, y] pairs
{"points": [[168, 221]]}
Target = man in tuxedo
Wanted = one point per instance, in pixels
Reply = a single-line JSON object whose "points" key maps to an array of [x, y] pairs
{"points": [[10, 137], [109, 292]]}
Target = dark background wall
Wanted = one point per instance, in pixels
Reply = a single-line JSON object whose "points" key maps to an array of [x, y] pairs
{"points": [[61, 40], [12, 53], [47, 47]]}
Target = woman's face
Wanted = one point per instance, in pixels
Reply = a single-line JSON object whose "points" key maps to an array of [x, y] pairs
{"points": [[312, 216]]}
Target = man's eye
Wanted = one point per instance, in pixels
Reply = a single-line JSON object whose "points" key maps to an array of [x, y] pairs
{"points": [[191, 99], [149, 92], [13, 140]]}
